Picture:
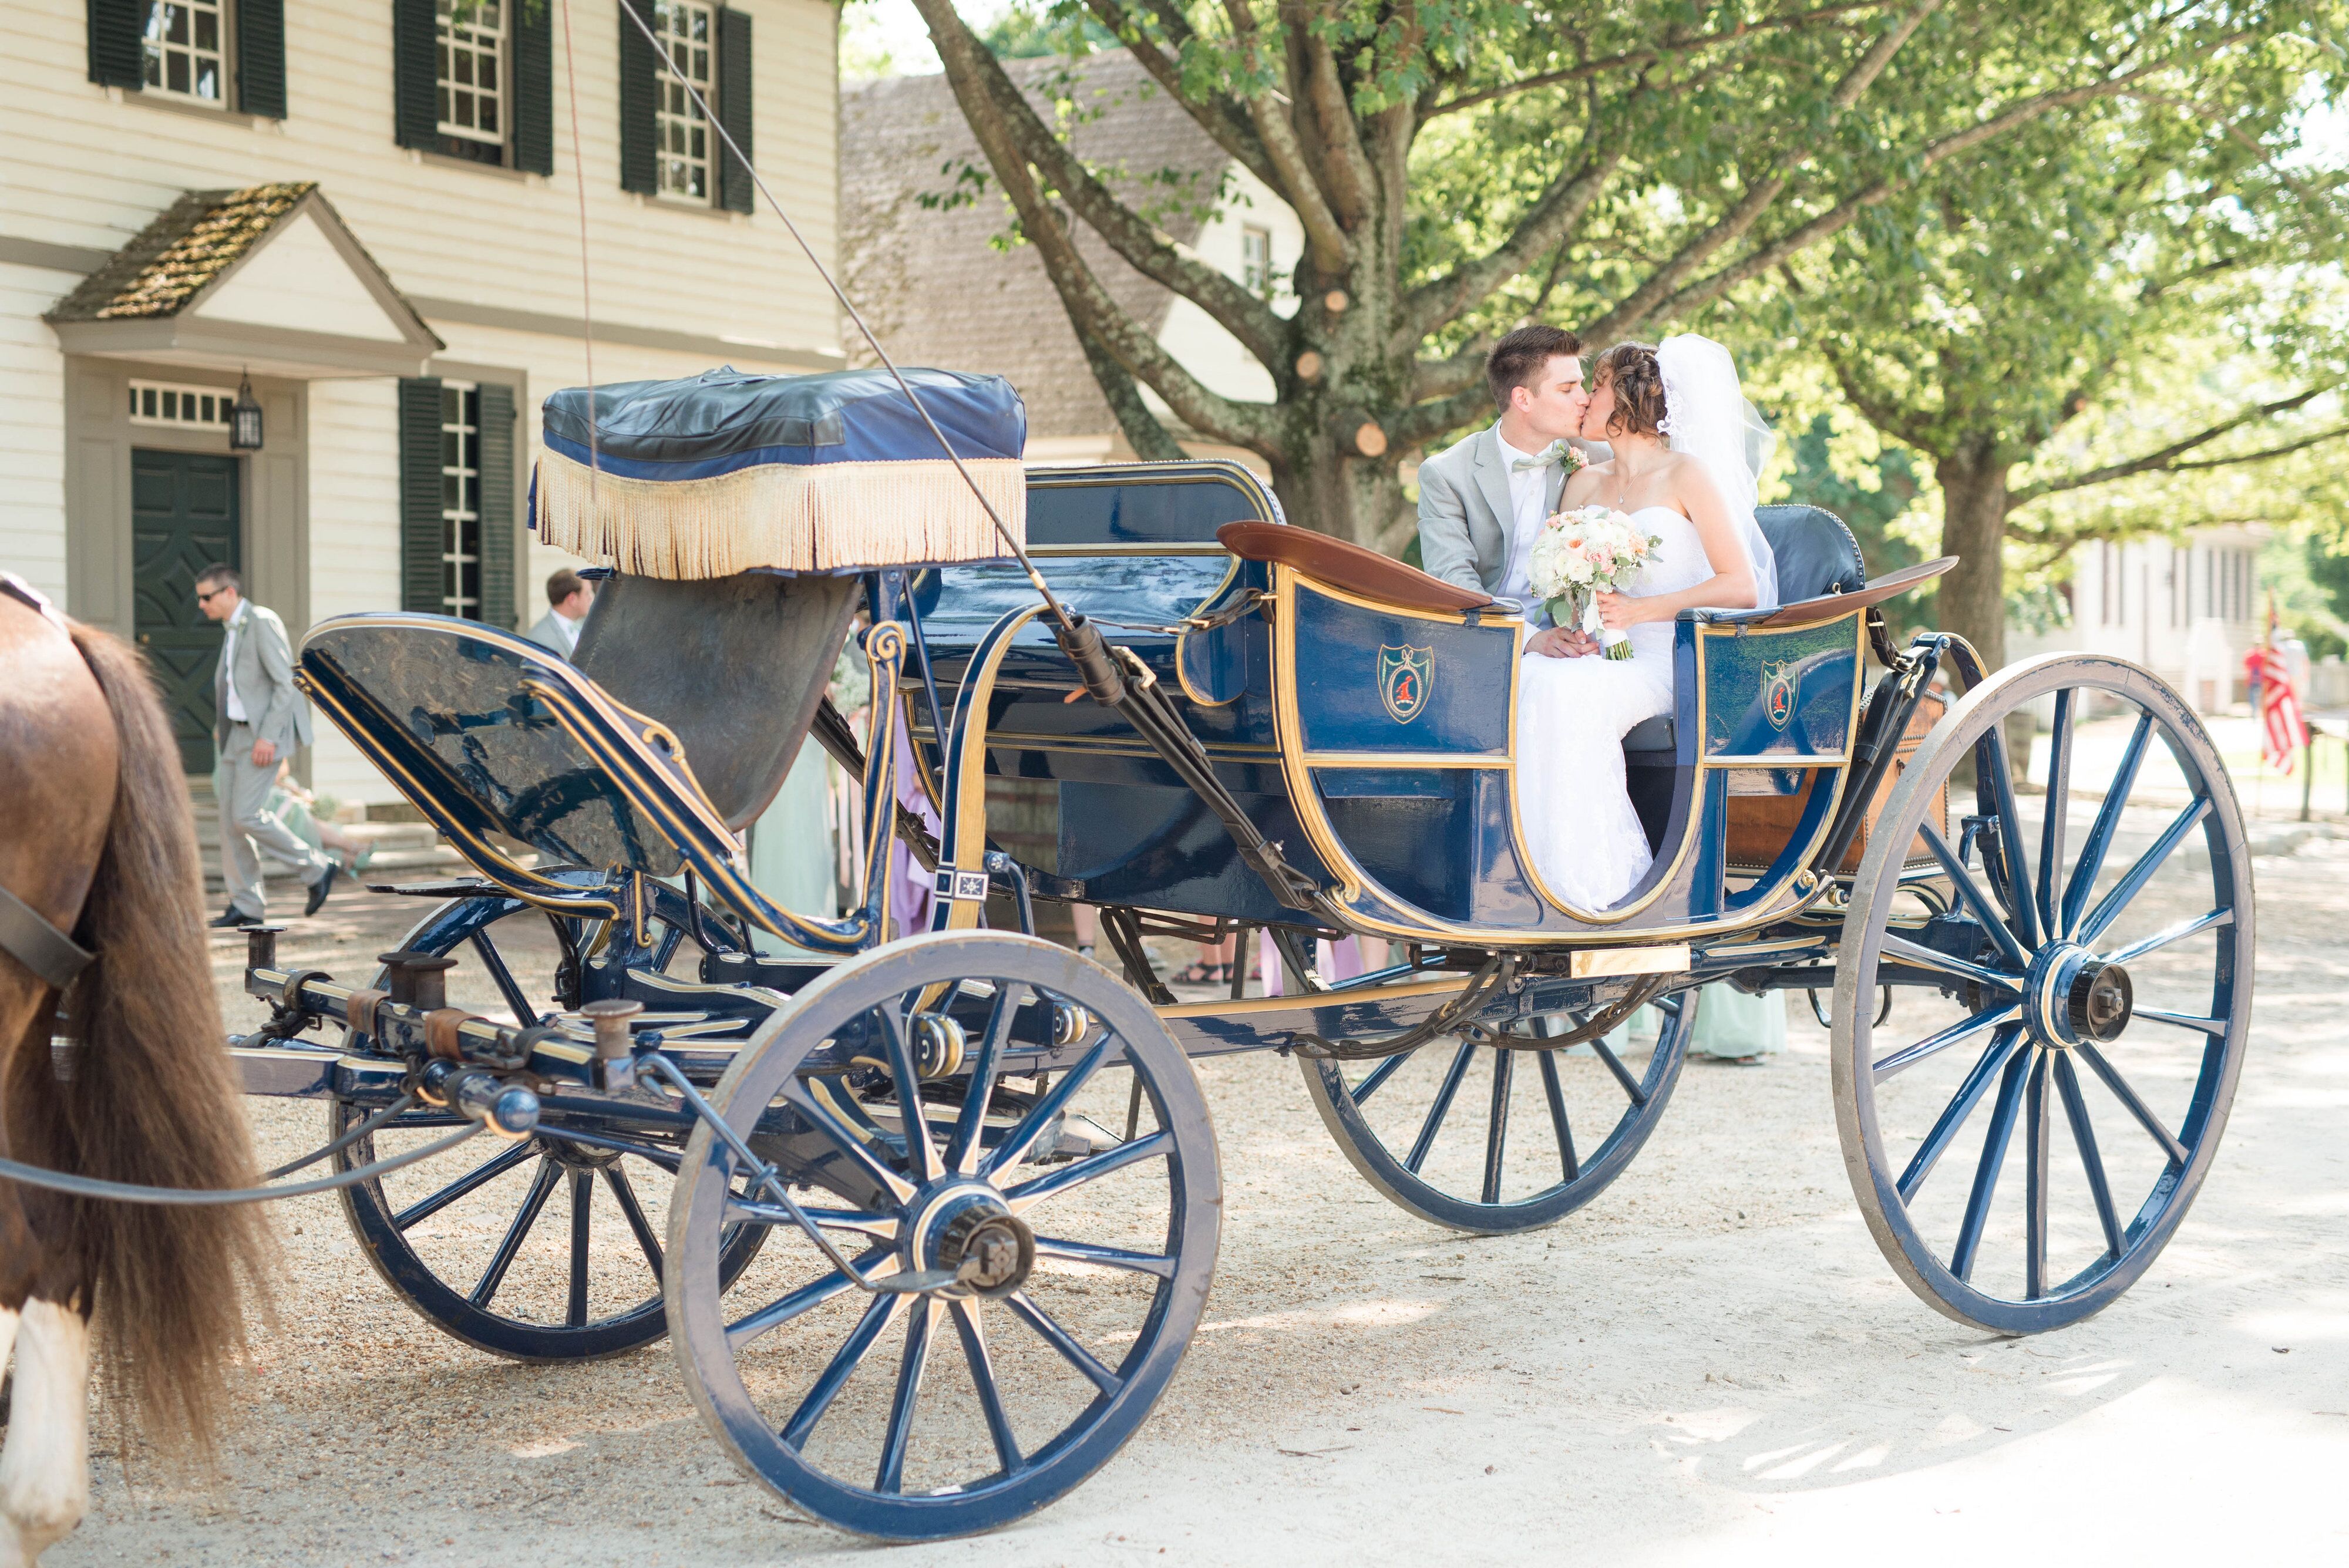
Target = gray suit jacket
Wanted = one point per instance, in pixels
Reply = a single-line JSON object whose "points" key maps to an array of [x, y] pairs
{"points": [[264, 683], [547, 632], [1465, 515]]}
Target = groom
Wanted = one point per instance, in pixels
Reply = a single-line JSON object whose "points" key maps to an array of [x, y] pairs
{"points": [[1481, 502]]}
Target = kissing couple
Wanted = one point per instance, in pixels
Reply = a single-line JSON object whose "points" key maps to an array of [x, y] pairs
{"points": [[1663, 434]]}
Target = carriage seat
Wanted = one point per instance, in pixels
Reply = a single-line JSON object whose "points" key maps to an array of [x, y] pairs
{"points": [[1349, 568], [733, 667], [1816, 555]]}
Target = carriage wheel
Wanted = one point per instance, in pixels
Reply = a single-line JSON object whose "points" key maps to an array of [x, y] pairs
{"points": [[1533, 1135], [1072, 1270], [2092, 1015], [546, 1249]]}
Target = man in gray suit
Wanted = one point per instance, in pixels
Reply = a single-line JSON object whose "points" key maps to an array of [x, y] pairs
{"points": [[261, 718], [568, 596], [1481, 500]]}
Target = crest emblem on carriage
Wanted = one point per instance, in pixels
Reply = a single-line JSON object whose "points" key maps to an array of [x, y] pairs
{"points": [[1781, 683], [1406, 675]]}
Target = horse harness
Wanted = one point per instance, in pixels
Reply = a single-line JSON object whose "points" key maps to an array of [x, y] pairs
{"points": [[25, 934]]}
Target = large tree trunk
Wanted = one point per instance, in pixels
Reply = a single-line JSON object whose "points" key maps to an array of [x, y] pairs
{"points": [[1352, 498], [1974, 505]]}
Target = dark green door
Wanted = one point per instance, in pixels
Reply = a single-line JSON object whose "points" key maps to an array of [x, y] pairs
{"points": [[183, 517]]}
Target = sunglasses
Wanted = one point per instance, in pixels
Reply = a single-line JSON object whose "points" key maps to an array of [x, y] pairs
{"points": [[204, 599]]}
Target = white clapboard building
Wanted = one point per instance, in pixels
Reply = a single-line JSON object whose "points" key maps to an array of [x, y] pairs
{"points": [[2188, 610], [371, 211]]}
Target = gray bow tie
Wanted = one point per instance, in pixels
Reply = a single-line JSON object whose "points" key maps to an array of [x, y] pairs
{"points": [[1547, 457]]}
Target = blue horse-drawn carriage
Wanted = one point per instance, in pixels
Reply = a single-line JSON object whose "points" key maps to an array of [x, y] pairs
{"points": [[893, 1150]]}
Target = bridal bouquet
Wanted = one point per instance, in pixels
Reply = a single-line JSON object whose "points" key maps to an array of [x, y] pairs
{"points": [[1581, 554]]}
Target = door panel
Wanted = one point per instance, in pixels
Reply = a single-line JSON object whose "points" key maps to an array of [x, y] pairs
{"points": [[183, 517]]}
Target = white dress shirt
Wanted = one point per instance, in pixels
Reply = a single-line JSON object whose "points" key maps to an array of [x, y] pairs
{"points": [[236, 713], [1528, 489], [570, 629]]}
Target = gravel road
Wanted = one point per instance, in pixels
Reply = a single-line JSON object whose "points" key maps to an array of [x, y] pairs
{"points": [[1709, 1364]]}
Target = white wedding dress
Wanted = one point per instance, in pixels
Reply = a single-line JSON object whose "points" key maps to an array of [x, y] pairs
{"points": [[1572, 714], [1586, 843]]}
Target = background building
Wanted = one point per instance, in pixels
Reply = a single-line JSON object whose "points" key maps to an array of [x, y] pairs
{"points": [[2188, 612], [370, 209]]}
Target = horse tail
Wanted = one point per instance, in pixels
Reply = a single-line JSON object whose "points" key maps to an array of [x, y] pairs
{"points": [[150, 1096]]}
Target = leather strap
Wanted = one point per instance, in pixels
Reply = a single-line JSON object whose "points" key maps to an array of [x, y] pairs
{"points": [[28, 938], [441, 1033], [17, 588]]}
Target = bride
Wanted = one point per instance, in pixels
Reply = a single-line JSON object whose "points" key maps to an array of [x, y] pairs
{"points": [[1685, 454]]}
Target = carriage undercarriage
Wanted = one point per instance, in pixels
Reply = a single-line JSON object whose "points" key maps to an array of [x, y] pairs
{"points": [[970, 1145]]}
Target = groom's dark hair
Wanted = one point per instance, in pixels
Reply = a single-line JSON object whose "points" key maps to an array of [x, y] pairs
{"points": [[1520, 356]]}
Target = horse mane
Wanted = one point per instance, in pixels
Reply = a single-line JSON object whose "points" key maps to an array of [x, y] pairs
{"points": [[150, 1097]]}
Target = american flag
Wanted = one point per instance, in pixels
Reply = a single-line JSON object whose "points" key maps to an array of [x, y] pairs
{"points": [[2283, 733]]}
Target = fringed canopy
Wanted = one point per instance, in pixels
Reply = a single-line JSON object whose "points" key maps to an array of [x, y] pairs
{"points": [[727, 472]]}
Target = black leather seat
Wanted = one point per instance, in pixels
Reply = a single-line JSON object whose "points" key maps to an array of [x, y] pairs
{"points": [[1816, 555]]}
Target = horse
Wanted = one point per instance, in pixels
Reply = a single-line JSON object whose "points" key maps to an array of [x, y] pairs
{"points": [[98, 844]]}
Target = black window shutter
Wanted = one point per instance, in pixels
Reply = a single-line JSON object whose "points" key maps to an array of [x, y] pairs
{"points": [[497, 418], [116, 56], [261, 58], [639, 69], [534, 88], [415, 65], [734, 98], [421, 536]]}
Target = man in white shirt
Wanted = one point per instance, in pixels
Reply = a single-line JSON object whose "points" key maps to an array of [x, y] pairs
{"points": [[261, 718], [568, 596], [1481, 502]]}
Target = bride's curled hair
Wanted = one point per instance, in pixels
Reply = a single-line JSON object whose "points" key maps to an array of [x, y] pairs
{"points": [[1631, 368]]}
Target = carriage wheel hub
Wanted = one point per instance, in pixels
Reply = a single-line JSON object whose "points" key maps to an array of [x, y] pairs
{"points": [[2074, 997], [967, 1231]]}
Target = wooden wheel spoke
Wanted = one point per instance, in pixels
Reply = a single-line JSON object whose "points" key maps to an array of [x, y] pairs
{"points": [[494, 962], [1157, 1263], [1496, 1128], [1060, 1339], [549, 1173], [1933, 1044], [583, 1200], [1016, 1143], [2099, 842], [970, 1126], [1555, 1094], [2035, 1179], [2016, 885], [1985, 913], [1445, 1092], [625, 1196], [2058, 805], [2177, 933], [921, 1158], [1376, 1078], [1093, 1166], [1622, 1073], [2180, 1020], [489, 1170], [971, 1331], [1993, 1159], [2133, 881], [2083, 1138], [891, 1474], [743, 1330], [801, 1098], [843, 1365], [1953, 1116], [2135, 1106]]}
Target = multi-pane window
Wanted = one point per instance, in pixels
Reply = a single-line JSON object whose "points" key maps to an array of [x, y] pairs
{"points": [[471, 37], [187, 49], [1255, 260], [178, 405], [460, 499], [688, 34]]}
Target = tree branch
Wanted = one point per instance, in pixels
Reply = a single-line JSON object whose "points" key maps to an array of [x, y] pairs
{"points": [[1223, 125], [1545, 226], [1422, 422], [979, 85], [2166, 461], [994, 94], [1294, 178], [1874, 404], [1442, 377], [1347, 176], [1144, 432]]}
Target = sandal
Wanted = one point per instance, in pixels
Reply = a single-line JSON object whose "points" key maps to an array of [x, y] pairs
{"points": [[1197, 974]]}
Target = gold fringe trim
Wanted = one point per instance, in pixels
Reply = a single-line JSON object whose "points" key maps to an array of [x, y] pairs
{"points": [[818, 517]]}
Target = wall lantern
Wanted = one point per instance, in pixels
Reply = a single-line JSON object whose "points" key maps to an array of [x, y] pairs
{"points": [[244, 418]]}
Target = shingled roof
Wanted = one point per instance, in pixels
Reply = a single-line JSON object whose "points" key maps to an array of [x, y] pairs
{"points": [[190, 243], [931, 279]]}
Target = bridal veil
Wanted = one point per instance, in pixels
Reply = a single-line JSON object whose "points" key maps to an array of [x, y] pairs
{"points": [[1706, 416]]}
